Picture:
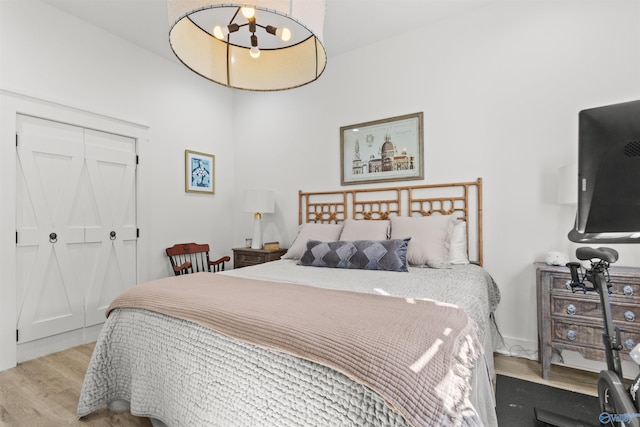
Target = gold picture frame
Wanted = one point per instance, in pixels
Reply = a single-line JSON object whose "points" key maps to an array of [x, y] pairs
{"points": [[199, 171], [382, 150]]}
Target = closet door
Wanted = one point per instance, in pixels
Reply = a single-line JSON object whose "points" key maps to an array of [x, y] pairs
{"points": [[110, 220], [76, 215], [50, 222]]}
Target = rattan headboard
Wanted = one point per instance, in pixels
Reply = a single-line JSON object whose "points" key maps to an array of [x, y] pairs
{"points": [[463, 199]]}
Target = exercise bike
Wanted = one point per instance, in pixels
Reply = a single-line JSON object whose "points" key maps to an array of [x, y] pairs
{"points": [[619, 406]]}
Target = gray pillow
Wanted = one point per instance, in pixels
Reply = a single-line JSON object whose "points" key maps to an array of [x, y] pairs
{"points": [[389, 255]]}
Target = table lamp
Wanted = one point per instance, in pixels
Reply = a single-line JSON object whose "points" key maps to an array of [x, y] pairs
{"points": [[258, 202]]}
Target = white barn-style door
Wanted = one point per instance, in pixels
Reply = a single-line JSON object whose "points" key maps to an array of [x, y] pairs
{"points": [[110, 220], [76, 225]]}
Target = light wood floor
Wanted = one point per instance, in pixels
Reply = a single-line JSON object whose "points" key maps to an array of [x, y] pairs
{"points": [[562, 377], [45, 391]]}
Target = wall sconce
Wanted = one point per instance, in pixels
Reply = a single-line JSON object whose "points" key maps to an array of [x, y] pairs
{"points": [[258, 202]]}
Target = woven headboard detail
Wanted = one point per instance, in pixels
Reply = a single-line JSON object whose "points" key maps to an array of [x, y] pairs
{"points": [[462, 199]]}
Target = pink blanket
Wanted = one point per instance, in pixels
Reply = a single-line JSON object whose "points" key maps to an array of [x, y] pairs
{"points": [[417, 354]]}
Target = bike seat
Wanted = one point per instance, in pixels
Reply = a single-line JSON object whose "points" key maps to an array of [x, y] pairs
{"points": [[606, 254]]}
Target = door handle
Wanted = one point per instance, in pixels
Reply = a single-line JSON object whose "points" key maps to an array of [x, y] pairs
{"points": [[112, 235], [53, 237]]}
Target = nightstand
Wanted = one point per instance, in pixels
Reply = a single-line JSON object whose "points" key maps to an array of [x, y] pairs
{"points": [[573, 321], [244, 257]]}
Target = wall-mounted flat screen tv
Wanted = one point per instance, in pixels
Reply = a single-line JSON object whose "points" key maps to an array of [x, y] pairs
{"points": [[608, 181]]}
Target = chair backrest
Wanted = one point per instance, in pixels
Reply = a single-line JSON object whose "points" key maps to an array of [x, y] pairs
{"points": [[193, 258]]}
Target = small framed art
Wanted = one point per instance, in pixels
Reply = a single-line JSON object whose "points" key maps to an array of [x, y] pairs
{"points": [[382, 150], [199, 172]]}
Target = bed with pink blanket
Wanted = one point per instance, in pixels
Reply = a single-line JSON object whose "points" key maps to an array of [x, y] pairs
{"points": [[344, 331]]}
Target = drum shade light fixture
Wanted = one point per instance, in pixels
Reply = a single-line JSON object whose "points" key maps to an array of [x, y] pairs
{"points": [[264, 45]]}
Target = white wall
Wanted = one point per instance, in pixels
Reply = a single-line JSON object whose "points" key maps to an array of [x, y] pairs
{"points": [[500, 90], [76, 70]]}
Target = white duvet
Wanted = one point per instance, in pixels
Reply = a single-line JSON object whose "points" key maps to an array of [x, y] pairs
{"points": [[182, 374]]}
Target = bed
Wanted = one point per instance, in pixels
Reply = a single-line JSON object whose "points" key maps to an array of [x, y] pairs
{"points": [[344, 331]]}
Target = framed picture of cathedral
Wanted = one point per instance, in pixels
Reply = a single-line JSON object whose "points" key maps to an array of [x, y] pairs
{"points": [[383, 150]]}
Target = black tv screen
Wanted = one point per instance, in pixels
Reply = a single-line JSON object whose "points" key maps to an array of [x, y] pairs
{"points": [[608, 181]]}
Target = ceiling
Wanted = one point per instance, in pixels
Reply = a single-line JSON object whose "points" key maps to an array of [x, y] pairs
{"points": [[349, 24]]}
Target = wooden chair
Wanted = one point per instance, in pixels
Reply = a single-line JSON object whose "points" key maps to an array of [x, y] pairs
{"points": [[193, 258]]}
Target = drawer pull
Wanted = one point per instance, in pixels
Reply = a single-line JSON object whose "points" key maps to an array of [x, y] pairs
{"points": [[627, 290], [571, 309], [629, 343], [572, 335], [629, 316]]}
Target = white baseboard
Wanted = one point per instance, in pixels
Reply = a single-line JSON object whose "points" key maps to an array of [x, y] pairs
{"points": [[573, 359], [516, 347], [42, 347]]}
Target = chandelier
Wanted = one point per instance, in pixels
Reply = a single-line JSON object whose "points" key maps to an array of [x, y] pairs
{"points": [[263, 46]]}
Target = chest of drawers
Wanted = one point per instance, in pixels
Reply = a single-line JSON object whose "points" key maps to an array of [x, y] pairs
{"points": [[573, 321]]}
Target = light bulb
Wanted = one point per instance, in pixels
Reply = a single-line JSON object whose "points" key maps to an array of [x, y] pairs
{"points": [[255, 52], [222, 32], [284, 34], [219, 32], [248, 11]]}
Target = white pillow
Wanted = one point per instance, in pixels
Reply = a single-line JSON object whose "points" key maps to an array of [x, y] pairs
{"points": [[458, 244], [430, 236], [365, 230], [312, 231]]}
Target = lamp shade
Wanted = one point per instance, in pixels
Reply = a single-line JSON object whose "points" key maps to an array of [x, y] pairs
{"points": [[250, 54], [258, 201]]}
